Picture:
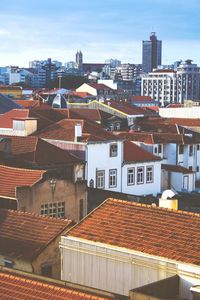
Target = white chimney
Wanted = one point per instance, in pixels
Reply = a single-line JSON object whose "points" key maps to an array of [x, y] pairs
{"points": [[78, 132]]}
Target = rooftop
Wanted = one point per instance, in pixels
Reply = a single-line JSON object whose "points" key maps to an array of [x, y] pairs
{"points": [[11, 178], [156, 231], [134, 153], [24, 235]]}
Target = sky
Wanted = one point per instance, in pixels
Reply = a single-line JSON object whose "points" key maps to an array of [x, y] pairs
{"points": [[39, 29]]}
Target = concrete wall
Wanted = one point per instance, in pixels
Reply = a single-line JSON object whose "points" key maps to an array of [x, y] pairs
{"points": [[19, 264], [180, 112], [30, 199], [120, 270]]}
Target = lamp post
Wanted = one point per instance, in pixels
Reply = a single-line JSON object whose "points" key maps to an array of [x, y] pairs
{"points": [[52, 182]]}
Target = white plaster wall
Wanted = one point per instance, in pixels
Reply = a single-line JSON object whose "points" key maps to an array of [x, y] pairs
{"points": [[170, 153], [145, 188], [180, 112], [98, 158], [119, 270]]}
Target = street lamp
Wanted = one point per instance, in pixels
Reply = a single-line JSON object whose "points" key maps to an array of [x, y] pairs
{"points": [[52, 185]]}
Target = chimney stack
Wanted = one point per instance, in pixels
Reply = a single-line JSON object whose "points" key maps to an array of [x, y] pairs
{"points": [[78, 132]]}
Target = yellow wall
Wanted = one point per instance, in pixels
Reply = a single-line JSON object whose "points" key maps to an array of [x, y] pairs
{"points": [[16, 92]]}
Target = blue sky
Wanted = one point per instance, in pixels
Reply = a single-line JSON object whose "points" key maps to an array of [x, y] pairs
{"points": [[38, 29]]}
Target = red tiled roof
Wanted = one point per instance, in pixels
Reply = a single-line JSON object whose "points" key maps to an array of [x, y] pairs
{"points": [[27, 287], [65, 131], [24, 235], [176, 169], [134, 153], [142, 98], [28, 103], [6, 120], [99, 86], [139, 227], [153, 108], [175, 105], [127, 108], [89, 114], [80, 94], [37, 151], [11, 178]]}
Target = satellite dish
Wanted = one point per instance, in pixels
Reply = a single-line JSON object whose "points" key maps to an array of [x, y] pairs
{"points": [[167, 194]]}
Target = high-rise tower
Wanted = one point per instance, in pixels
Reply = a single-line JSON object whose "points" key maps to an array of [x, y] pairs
{"points": [[79, 59], [151, 53]]}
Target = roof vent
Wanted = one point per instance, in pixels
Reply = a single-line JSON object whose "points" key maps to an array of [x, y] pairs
{"points": [[167, 201]]}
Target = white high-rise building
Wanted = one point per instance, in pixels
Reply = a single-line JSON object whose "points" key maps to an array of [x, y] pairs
{"points": [[173, 86]]}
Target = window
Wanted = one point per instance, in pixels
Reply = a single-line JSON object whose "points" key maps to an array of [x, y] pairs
{"points": [[155, 150], [46, 271], [113, 150], [190, 150], [53, 209], [198, 147], [180, 149], [100, 179], [197, 168], [140, 175], [149, 174], [159, 149], [81, 215], [131, 176], [190, 168], [8, 263], [112, 178]]}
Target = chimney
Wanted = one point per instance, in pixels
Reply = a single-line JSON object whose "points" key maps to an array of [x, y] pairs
{"points": [[167, 200], [78, 132]]}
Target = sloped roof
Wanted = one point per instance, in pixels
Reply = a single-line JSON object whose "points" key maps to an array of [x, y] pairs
{"points": [[65, 130], [34, 150], [176, 169], [147, 99], [134, 153], [153, 230], [6, 104], [25, 286], [6, 120], [127, 108], [11, 178], [28, 103], [23, 235]]}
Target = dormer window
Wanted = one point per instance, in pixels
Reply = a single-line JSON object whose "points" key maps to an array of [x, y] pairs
{"points": [[113, 150]]}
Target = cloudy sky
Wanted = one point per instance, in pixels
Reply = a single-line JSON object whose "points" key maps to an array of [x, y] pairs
{"points": [[38, 29]]}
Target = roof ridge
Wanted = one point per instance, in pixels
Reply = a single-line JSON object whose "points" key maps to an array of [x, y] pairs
{"points": [[182, 212]]}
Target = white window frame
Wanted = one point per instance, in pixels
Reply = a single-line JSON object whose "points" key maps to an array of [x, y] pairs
{"points": [[100, 179], [149, 174], [112, 178], [130, 176], [140, 175]]}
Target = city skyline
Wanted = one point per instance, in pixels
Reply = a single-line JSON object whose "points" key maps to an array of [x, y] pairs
{"points": [[32, 30]]}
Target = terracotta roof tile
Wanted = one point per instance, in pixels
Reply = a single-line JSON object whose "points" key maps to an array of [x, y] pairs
{"points": [[134, 153], [11, 178], [6, 120], [176, 168], [152, 230], [65, 130], [23, 287], [28, 103], [34, 150], [24, 235]]}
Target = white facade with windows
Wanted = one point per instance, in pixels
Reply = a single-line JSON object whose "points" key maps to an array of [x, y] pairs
{"points": [[106, 169], [141, 178]]}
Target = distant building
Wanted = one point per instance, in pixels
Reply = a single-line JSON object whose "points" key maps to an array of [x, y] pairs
{"points": [[151, 53], [173, 86], [79, 59]]}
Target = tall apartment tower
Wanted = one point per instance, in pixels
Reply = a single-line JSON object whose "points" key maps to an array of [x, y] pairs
{"points": [[79, 59], [151, 53]]}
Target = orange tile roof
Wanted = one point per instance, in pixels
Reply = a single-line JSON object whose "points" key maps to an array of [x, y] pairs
{"points": [[176, 169], [28, 103], [24, 235], [34, 150], [153, 230], [134, 153], [65, 130], [26, 287], [6, 120], [11, 178]]}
